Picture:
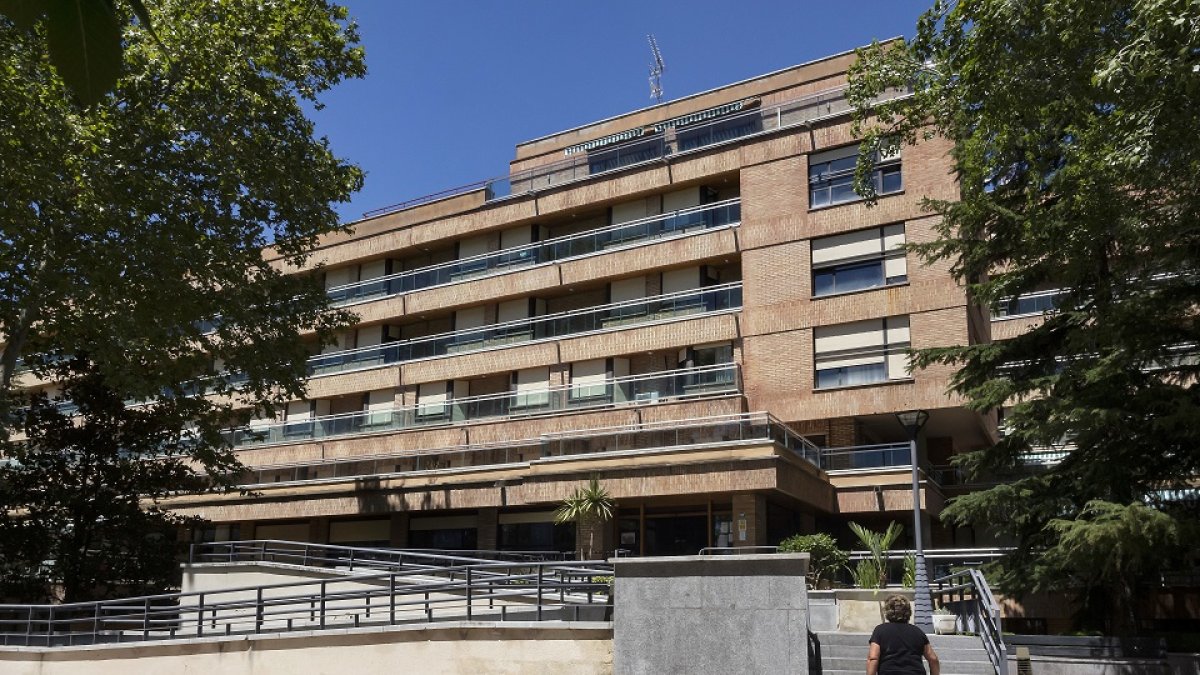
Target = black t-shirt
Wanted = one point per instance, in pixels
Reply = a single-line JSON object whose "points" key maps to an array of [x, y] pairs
{"points": [[901, 648]]}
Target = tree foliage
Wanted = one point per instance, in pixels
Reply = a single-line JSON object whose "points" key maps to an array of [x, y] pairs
{"points": [[88, 465], [1076, 147], [872, 572], [825, 558], [150, 234], [587, 505]]}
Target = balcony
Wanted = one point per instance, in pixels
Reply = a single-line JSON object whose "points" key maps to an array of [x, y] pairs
{"points": [[674, 224], [878, 456], [667, 139], [671, 306], [671, 385], [667, 436]]}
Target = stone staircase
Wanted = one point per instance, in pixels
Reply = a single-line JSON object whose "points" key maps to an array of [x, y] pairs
{"points": [[846, 653]]}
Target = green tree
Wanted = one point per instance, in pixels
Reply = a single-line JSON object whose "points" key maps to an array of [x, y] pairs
{"points": [[87, 481], [153, 234], [587, 506], [1076, 146]]}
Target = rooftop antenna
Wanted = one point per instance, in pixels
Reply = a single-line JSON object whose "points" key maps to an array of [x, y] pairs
{"points": [[657, 67]]}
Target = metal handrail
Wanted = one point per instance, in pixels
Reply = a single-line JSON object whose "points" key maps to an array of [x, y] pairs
{"points": [[325, 555], [677, 306], [749, 427], [525, 591], [737, 550], [569, 170], [559, 398], [966, 593], [549, 250]]}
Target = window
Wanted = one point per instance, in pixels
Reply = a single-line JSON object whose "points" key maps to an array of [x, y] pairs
{"points": [[624, 155], [589, 380], [433, 400], [531, 388], [862, 352], [1025, 304], [831, 176], [858, 260], [718, 132]]}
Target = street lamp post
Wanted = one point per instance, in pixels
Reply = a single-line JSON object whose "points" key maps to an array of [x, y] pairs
{"points": [[912, 421]]}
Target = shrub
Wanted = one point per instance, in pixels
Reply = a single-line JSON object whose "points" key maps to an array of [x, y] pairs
{"points": [[825, 558]]}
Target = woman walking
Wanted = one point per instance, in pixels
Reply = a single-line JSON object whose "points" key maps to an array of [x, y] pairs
{"points": [[897, 646]]}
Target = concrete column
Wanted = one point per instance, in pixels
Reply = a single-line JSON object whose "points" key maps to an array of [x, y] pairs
{"points": [[488, 530], [399, 529], [749, 519], [711, 614]]}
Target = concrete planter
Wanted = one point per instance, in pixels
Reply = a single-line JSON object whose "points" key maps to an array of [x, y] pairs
{"points": [[850, 610], [945, 624]]}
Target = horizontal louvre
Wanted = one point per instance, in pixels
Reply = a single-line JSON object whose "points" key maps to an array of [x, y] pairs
{"points": [[709, 114], [607, 140]]}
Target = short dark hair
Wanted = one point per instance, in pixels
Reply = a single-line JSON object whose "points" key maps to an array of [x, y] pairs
{"points": [[897, 609]]}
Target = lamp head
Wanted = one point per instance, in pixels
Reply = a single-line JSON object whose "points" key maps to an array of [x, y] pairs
{"points": [[912, 421]]}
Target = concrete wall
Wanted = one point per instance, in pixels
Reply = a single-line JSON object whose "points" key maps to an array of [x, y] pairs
{"points": [[525, 649], [711, 614]]}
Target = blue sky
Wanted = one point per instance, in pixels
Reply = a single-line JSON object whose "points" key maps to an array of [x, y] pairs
{"points": [[452, 86]]}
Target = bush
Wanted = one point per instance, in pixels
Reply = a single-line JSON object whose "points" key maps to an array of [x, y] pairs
{"points": [[825, 558]]}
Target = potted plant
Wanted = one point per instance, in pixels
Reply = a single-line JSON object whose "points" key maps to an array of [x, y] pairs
{"points": [[872, 572], [944, 622]]}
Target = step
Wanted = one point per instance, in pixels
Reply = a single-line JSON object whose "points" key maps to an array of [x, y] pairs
{"points": [[946, 654], [949, 667], [959, 641]]}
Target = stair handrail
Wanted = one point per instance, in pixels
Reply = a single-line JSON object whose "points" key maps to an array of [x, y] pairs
{"points": [[971, 599]]}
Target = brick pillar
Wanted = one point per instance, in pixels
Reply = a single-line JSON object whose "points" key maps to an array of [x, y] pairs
{"points": [[842, 432], [596, 535], [487, 532], [399, 529], [318, 530], [750, 516]]}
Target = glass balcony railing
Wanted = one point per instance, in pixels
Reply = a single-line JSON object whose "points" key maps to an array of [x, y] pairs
{"points": [[866, 456], [667, 139], [663, 226], [679, 384], [633, 312], [680, 435]]}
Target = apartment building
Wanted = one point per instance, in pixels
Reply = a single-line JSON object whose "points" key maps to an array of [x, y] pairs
{"points": [[688, 302]]}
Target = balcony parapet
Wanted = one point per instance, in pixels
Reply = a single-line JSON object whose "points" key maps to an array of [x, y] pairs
{"points": [[643, 438], [639, 232], [660, 387], [640, 312]]}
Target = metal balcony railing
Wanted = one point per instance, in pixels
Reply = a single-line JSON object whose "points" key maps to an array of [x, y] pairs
{"points": [[670, 306], [664, 436], [663, 143], [717, 380], [673, 224]]}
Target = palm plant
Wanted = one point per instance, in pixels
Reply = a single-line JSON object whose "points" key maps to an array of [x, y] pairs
{"points": [[872, 572], [587, 505]]}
